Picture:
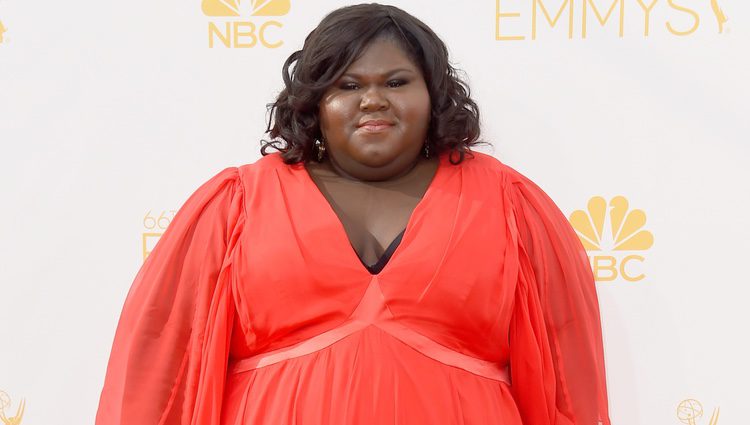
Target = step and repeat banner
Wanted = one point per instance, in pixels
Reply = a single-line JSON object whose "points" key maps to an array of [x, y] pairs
{"points": [[631, 114]]}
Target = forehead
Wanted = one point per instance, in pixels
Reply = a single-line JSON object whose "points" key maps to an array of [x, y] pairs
{"points": [[382, 56]]}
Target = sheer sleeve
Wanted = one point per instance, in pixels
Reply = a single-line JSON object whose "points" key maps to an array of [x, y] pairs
{"points": [[169, 355], [556, 354]]}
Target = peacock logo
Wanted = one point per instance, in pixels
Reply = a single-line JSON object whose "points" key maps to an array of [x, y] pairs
{"points": [[612, 232], [245, 33], [257, 7], [625, 226], [2, 31]]}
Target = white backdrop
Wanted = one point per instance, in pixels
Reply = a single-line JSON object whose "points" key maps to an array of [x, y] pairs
{"points": [[111, 114]]}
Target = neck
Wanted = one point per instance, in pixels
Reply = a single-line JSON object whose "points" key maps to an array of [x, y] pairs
{"points": [[370, 174]]}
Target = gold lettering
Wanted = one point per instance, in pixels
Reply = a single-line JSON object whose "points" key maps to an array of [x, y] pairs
{"points": [[624, 264], [148, 241], [721, 18], [693, 13], [603, 20], [598, 266], [213, 30], [237, 34], [498, 15], [552, 22], [647, 11], [262, 34]]}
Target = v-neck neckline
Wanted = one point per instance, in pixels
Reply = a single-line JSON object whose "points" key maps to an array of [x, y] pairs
{"points": [[385, 257], [353, 259]]}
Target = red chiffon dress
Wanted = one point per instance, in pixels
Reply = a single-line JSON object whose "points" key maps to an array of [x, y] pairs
{"points": [[253, 308]]}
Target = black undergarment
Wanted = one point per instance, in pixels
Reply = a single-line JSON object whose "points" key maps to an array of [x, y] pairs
{"points": [[383, 260]]}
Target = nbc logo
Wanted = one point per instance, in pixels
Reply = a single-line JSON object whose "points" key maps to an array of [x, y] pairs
{"points": [[234, 33], [613, 233], [2, 31]]}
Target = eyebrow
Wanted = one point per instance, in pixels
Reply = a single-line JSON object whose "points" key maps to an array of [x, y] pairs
{"points": [[391, 72]]}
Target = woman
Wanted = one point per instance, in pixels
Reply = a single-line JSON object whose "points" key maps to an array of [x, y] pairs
{"points": [[373, 271]]}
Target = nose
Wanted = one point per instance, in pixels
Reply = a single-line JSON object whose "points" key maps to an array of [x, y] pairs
{"points": [[373, 100]]}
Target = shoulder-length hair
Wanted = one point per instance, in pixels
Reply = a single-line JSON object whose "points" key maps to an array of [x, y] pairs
{"points": [[338, 41]]}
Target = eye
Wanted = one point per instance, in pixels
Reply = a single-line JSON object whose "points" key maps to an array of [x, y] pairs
{"points": [[349, 86], [396, 83]]}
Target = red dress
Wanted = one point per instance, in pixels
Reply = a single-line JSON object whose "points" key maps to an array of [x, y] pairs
{"points": [[253, 308]]}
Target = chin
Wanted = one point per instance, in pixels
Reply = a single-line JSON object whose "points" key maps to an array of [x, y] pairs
{"points": [[374, 159], [374, 154]]}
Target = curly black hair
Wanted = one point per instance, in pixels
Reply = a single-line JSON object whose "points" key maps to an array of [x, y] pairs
{"points": [[338, 41]]}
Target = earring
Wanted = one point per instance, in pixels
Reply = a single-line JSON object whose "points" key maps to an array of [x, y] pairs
{"points": [[426, 150], [321, 148]]}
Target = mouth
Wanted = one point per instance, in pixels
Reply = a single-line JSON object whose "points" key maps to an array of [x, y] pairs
{"points": [[375, 126]]}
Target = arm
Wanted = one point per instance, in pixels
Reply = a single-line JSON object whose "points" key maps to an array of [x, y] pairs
{"points": [[557, 358], [168, 358]]}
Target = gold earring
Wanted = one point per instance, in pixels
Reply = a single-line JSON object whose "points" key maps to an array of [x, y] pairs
{"points": [[321, 148]]}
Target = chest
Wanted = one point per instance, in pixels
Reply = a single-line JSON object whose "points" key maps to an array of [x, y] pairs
{"points": [[296, 273], [373, 215]]}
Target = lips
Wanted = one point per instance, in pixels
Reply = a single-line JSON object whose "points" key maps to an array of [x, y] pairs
{"points": [[375, 125]]}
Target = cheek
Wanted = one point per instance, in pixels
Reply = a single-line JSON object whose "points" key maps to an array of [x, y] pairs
{"points": [[426, 102], [335, 114], [416, 108], [427, 108]]}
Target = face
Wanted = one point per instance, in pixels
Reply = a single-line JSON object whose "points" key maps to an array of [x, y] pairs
{"points": [[375, 118]]}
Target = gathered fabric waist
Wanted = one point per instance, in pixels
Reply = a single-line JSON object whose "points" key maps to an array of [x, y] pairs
{"points": [[372, 311]]}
